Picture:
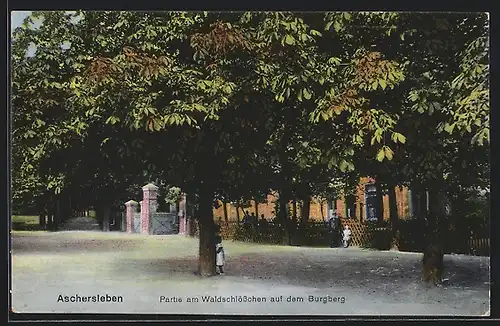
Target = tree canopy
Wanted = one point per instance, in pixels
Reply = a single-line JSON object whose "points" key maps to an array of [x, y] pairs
{"points": [[234, 105]]}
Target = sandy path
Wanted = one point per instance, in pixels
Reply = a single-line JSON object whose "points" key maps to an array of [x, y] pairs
{"points": [[141, 269]]}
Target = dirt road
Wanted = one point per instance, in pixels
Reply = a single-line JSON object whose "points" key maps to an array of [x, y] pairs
{"points": [[156, 274]]}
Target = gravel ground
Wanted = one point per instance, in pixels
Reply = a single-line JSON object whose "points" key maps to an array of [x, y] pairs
{"points": [[141, 269]]}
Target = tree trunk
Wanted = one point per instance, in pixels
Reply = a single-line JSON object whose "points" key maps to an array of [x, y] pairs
{"points": [[422, 205], [70, 208], [294, 234], [380, 202], [50, 220], [206, 262], [49, 217], [66, 211], [224, 206], [284, 218], [41, 219], [237, 214], [432, 269], [99, 215], [255, 223], [436, 211], [306, 208], [460, 230], [360, 212], [106, 212], [321, 210], [57, 215], [394, 218]]}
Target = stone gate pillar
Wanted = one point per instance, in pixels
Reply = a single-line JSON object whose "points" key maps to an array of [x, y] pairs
{"points": [[149, 206], [129, 215]]}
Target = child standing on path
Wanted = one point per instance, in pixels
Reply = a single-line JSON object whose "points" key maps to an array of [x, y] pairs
{"points": [[346, 236], [220, 255]]}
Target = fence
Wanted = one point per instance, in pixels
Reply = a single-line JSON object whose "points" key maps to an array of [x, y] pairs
{"points": [[479, 247], [363, 234]]}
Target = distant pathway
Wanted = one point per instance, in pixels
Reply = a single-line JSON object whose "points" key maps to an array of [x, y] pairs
{"points": [[81, 223]]}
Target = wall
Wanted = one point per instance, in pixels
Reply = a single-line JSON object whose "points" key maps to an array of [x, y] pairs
{"points": [[402, 200], [319, 211], [268, 209]]}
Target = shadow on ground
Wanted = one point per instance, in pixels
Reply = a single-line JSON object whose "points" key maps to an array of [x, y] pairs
{"points": [[153, 262], [392, 276]]}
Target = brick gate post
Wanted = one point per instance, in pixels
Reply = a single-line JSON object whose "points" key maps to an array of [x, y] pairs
{"points": [[149, 206], [130, 210]]}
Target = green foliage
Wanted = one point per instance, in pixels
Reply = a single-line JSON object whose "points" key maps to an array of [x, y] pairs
{"points": [[173, 195], [302, 103]]}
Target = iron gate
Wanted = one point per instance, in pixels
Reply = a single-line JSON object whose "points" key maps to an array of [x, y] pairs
{"points": [[136, 223], [164, 223]]}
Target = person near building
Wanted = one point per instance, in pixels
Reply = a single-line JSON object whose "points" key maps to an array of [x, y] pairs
{"points": [[333, 228], [346, 238]]}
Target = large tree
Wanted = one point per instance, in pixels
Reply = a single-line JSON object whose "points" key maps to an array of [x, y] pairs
{"points": [[431, 119]]}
